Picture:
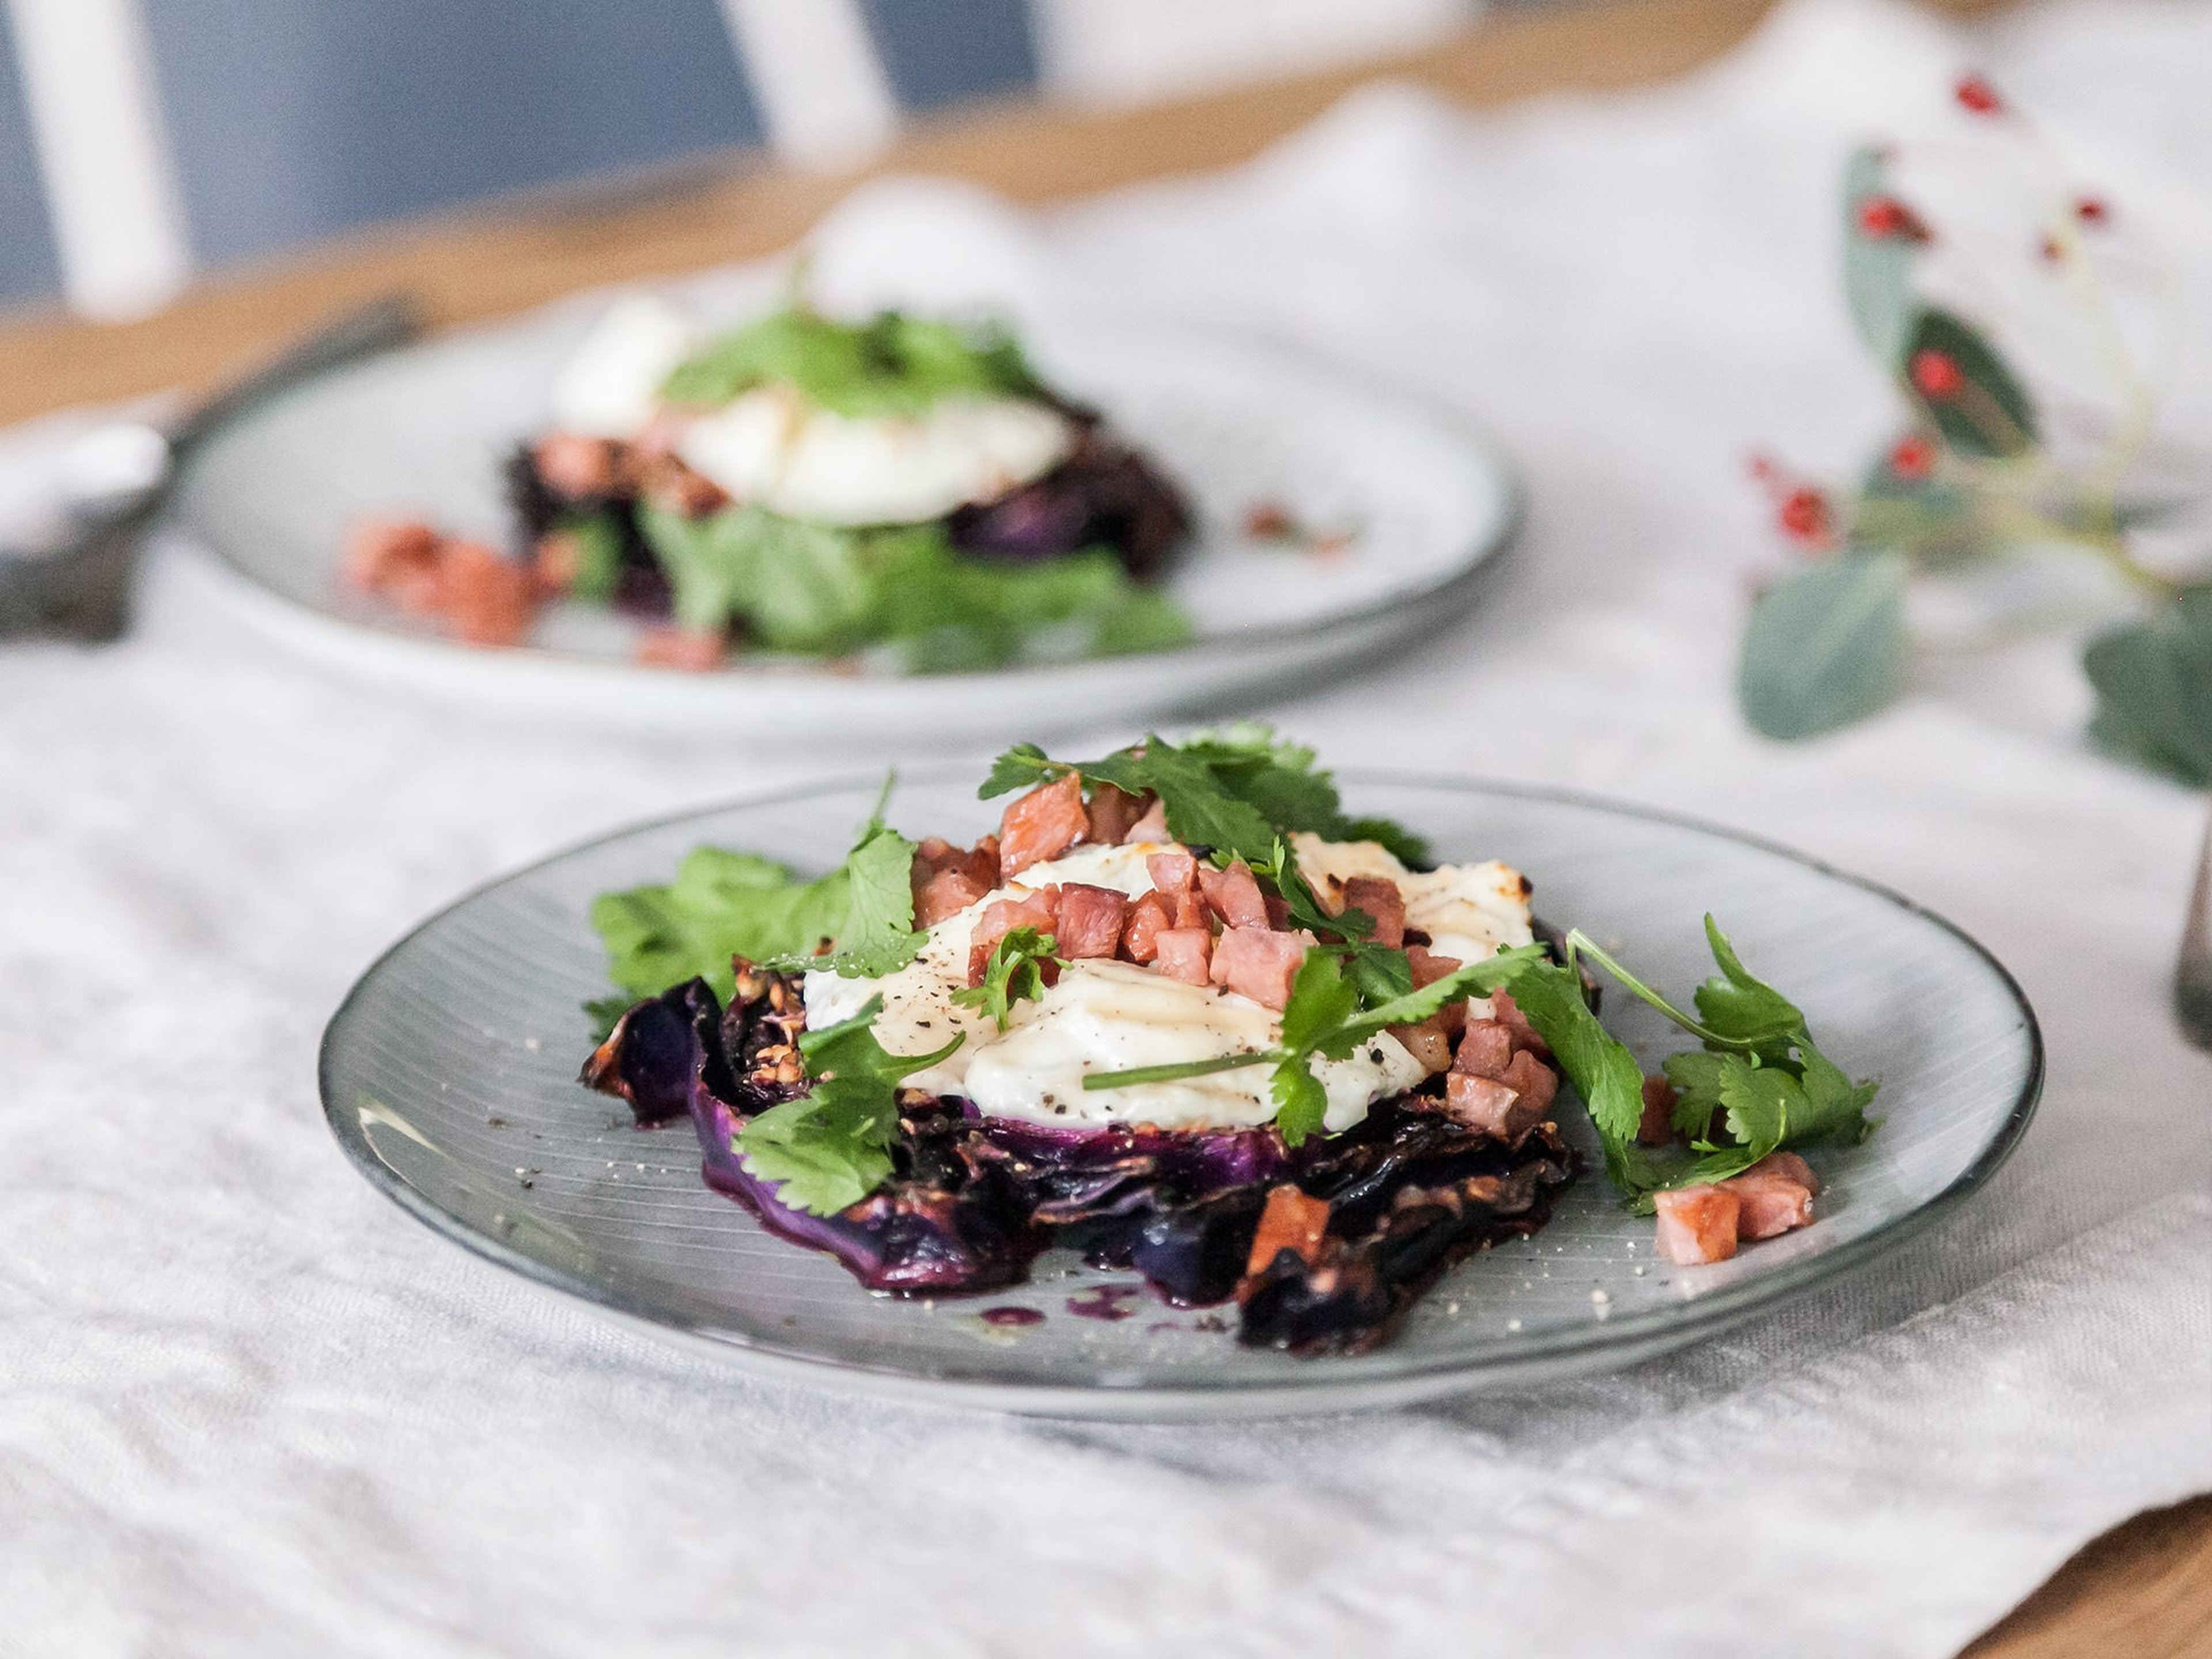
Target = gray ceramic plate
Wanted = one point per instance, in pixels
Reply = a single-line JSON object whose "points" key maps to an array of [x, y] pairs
{"points": [[1425, 502], [448, 1077]]}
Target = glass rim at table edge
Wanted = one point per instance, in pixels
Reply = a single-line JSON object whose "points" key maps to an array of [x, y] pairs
{"points": [[1470, 567], [1670, 1325]]}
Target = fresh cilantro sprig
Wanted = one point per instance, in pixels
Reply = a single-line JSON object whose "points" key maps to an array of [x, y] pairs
{"points": [[1758, 1067], [724, 904], [1015, 973], [830, 1148], [1236, 790], [1377, 972]]}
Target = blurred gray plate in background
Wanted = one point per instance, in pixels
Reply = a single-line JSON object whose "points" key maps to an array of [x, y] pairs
{"points": [[1425, 501]]}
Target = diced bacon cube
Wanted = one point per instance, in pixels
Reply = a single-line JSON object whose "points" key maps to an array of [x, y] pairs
{"points": [[1429, 1042], [1090, 923], [1490, 1106], [694, 650], [380, 551], [1504, 1008], [1486, 1049], [1234, 896], [1429, 967], [1538, 1084], [1278, 911], [1379, 898], [1775, 1195], [1656, 1127], [944, 893], [1190, 910], [575, 466], [972, 871], [1291, 1221], [1697, 1223], [1111, 811], [489, 599], [1259, 963], [1152, 826], [1039, 911], [1789, 1164], [1149, 917], [1042, 825], [1172, 874], [1185, 953]]}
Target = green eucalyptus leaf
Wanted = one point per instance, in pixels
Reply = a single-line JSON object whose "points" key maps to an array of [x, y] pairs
{"points": [[1825, 646], [2153, 682], [1990, 414], [1877, 269]]}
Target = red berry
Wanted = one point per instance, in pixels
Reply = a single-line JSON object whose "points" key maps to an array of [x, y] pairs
{"points": [[1936, 376], [1884, 216], [1804, 516], [1913, 458], [2091, 210], [1976, 95]]}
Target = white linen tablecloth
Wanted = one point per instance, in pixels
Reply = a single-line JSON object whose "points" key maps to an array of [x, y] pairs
{"points": [[247, 1407]]}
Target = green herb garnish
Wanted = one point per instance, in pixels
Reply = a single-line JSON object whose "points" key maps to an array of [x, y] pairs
{"points": [[890, 365], [1015, 973], [831, 1147], [902, 590], [724, 904]]}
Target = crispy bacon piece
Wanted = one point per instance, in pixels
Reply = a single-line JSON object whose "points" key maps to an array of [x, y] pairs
{"points": [[1152, 826], [1656, 1126], [1508, 1106], [1427, 1041], [1149, 917], [1774, 1196], [1485, 1048], [577, 467], [1042, 824], [1089, 920], [1173, 874], [382, 553], [1290, 1221], [1428, 966], [1379, 898], [947, 879], [1185, 953], [488, 599], [1259, 963], [1234, 896], [1039, 910], [1504, 1008], [1111, 811], [1697, 1223]]}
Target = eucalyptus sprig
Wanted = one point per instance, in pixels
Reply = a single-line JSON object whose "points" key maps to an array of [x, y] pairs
{"points": [[1973, 477]]}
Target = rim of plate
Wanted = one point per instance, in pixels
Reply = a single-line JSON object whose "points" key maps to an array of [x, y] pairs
{"points": [[1472, 563], [1318, 1385]]}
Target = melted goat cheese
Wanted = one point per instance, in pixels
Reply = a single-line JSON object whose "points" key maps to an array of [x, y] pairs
{"points": [[772, 448], [611, 386], [1469, 911], [1114, 1016]]}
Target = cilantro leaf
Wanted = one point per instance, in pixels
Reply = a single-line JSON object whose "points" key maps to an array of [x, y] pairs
{"points": [[831, 1147], [1740, 1007], [1320, 1002], [1014, 973], [724, 904], [1301, 1103], [1605, 1074], [890, 365]]}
